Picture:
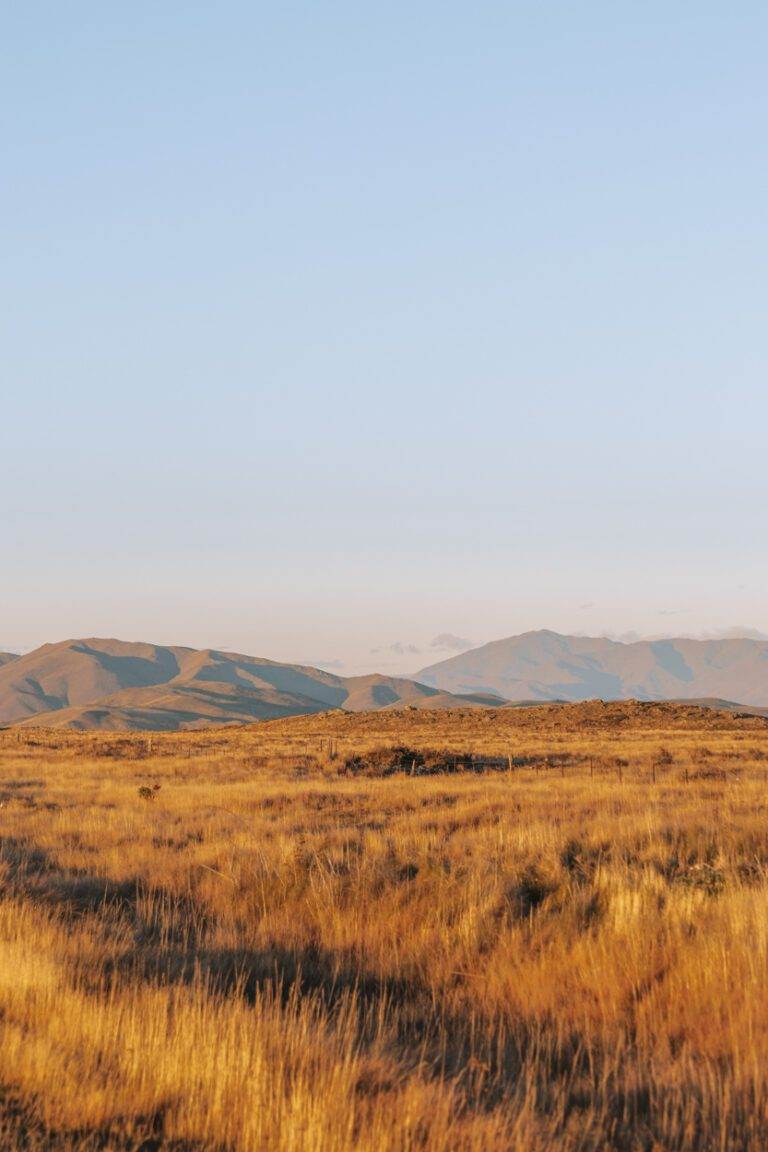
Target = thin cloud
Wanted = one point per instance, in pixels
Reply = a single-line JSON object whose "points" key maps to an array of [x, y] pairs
{"points": [[735, 633], [447, 641], [397, 649]]}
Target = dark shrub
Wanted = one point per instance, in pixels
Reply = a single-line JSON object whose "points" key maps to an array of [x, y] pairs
{"points": [[388, 761]]}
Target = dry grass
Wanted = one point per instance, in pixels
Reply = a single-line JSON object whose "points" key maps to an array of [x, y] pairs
{"points": [[275, 950]]}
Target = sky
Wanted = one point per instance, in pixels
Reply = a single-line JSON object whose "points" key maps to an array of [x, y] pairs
{"points": [[354, 334]]}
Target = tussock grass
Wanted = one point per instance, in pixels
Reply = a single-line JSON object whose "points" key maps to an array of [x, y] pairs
{"points": [[282, 953]]}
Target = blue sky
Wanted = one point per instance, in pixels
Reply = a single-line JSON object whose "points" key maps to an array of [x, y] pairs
{"points": [[328, 329]]}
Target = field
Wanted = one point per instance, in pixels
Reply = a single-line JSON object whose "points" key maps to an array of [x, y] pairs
{"points": [[521, 929]]}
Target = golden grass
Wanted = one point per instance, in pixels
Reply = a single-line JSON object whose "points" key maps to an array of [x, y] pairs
{"points": [[268, 952]]}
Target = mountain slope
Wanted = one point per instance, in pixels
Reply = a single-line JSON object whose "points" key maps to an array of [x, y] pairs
{"points": [[112, 684], [547, 666], [7, 658], [80, 672], [376, 692], [176, 707]]}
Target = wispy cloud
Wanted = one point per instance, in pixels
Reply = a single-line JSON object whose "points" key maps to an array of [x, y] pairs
{"points": [[447, 641], [397, 649], [673, 611], [737, 632]]}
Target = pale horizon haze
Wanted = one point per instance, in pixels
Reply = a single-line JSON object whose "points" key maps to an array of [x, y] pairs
{"points": [[354, 334]]}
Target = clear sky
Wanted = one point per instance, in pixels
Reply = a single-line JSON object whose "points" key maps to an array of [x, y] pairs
{"points": [[328, 329]]}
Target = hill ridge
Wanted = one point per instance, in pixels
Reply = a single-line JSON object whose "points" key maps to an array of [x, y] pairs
{"points": [[546, 665], [115, 684]]}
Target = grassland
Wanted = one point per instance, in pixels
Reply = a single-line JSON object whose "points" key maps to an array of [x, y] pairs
{"points": [[546, 929]]}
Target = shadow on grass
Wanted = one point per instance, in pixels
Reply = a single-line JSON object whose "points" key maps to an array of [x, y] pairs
{"points": [[431, 1030]]}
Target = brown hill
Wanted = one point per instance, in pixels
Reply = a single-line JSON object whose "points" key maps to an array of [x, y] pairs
{"points": [[80, 672], [547, 666], [115, 685], [374, 693]]}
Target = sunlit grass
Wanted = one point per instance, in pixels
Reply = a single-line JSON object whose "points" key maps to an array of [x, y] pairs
{"points": [[268, 952]]}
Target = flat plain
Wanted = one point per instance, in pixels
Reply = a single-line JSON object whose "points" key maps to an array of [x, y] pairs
{"points": [[521, 929]]}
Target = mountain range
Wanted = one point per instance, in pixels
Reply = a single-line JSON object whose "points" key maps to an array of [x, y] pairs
{"points": [[114, 685], [119, 685], [545, 665]]}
